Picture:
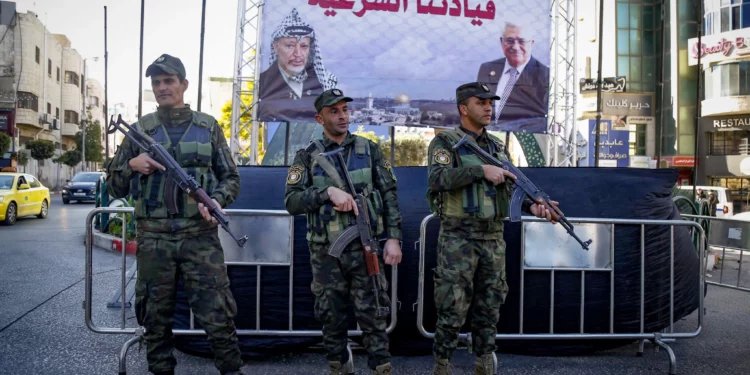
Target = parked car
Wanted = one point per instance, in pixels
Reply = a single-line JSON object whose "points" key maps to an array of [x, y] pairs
{"points": [[82, 187], [21, 195], [724, 207]]}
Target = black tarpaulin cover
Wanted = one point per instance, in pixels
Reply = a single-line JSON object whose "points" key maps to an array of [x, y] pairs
{"points": [[582, 192]]}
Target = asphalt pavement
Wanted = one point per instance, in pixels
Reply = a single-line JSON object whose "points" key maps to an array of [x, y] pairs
{"points": [[42, 328]]}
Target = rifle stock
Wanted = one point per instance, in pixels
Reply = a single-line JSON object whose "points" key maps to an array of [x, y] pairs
{"points": [[177, 177], [522, 187]]}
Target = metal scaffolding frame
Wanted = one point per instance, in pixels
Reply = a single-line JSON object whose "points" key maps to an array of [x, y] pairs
{"points": [[246, 71], [563, 129]]}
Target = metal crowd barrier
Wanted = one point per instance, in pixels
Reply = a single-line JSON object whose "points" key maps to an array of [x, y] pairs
{"points": [[266, 248], [726, 234], [547, 247]]}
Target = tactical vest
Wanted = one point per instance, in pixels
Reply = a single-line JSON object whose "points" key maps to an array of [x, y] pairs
{"points": [[326, 224], [193, 153], [480, 200]]}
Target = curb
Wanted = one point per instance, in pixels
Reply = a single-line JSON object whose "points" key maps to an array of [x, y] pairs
{"points": [[108, 242]]}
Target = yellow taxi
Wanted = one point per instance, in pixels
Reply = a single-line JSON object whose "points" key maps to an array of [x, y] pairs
{"points": [[21, 194]]}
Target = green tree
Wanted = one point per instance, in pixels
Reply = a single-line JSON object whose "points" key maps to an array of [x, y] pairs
{"points": [[225, 122], [41, 149], [94, 148], [410, 150], [4, 143], [22, 158]]}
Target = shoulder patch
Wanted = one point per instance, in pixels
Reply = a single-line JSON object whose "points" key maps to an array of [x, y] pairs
{"points": [[441, 156], [294, 175]]}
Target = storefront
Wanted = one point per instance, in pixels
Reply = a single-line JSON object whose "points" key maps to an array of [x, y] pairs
{"points": [[725, 156]]}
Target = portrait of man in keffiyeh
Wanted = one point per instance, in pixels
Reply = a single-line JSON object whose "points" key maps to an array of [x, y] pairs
{"points": [[296, 71]]}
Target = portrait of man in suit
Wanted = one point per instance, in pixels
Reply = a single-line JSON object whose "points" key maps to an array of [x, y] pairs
{"points": [[296, 74], [520, 80]]}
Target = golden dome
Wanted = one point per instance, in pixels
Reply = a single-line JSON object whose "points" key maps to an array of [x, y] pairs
{"points": [[401, 98]]}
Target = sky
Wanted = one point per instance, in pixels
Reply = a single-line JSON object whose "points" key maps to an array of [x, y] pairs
{"points": [[171, 26]]}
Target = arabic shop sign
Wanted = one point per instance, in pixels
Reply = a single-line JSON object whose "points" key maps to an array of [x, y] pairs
{"points": [[725, 123], [724, 46], [613, 145], [610, 84], [622, 104]]}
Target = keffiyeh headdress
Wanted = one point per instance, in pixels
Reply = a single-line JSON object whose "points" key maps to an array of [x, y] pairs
{"points": [[294, 27]]}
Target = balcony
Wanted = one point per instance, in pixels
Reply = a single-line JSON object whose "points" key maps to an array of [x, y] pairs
{"points": [[70, 130], [725, 105]]}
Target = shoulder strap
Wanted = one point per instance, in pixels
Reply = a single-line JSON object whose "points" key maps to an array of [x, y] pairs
{"points": [[204, 120], [327, 166], [360, 145], [149, 123]]}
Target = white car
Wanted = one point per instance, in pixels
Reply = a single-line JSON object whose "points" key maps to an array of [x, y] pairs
{"points": [[724, 207]]}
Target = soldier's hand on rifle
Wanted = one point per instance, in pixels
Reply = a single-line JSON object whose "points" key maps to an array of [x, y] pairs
{"points": [[207, 214], [143, 163], [541, 211], [392, 252], [496, 175], [342, 201]]}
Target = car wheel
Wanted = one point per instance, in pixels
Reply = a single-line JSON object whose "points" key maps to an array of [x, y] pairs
{"points": [[43, 212], [10, 214], [66, 201]]}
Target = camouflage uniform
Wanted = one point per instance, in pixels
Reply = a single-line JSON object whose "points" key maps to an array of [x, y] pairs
{"points": [[183, 244], [470, 271], [337, 281]]}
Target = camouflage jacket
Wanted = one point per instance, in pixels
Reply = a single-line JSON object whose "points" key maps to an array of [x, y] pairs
{"points": [[302, 197], [445, 177], [119, 175]]}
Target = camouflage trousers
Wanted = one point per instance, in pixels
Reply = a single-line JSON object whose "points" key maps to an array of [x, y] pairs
{"points": [[470, 274], [200, 262], [336, 282]]}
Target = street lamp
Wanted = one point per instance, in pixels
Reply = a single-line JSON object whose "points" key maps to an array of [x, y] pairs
{"points": [[84, 112]]}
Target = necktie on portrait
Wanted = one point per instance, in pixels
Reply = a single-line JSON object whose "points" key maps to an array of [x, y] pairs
{"points": [[506, 92]]}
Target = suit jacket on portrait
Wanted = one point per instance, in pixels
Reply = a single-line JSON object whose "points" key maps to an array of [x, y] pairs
{"points": [[278, 101], [530, 95]]}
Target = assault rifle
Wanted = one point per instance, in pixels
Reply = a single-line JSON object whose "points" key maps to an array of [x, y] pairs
{"points": [[177, 178], [362, 230], [522, 187]]}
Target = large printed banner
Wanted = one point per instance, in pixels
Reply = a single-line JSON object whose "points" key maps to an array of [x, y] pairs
{"points": [[401, 60]]}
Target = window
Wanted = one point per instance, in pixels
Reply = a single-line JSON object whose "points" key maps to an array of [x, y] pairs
{"points": [[725, 15], [71, 117], [728, 80], [33, 182], [49, 67], [57, 112], [49, 108], [28, 100], [83, 83], [58, 74], [38, 55], [94, 101], [729, 143], [636, 43], [637, 140], [71, 77]]}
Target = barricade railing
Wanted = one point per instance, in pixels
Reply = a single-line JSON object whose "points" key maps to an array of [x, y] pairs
{"points": [[547, 247], [730, 236], [271, 244]]}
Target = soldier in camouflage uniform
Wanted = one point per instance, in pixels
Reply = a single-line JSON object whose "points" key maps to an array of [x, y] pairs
{"points": [[315, 187], [471, 199], [185, 244]]}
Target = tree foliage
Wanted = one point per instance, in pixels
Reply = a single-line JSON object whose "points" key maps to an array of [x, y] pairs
{"points": [[410, 150], [41, 149], [94, 148], [4, 143], [71, 158]]}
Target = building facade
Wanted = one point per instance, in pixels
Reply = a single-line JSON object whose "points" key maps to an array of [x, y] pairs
{"points": [[724, 54], [43, 92], [649, 90]]}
